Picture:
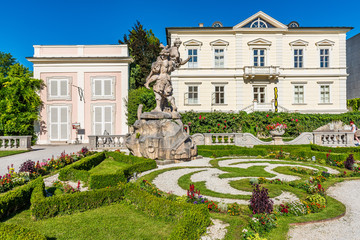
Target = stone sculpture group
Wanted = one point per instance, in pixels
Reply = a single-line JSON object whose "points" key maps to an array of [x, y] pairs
{"points": [[160, 134]]}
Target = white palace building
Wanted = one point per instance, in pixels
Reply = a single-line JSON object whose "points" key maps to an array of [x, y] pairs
{"points": [[237, 68]]}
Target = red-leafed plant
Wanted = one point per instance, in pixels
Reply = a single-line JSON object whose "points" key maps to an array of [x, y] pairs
{"points": [[349, 163], [260, 201]]}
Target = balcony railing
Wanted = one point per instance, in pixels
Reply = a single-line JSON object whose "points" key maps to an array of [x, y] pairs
{"points": [[15, 143], [107, 141], [271, 72]]}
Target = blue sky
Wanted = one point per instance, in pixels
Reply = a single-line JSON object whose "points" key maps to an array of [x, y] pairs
{"points": [[25, 23]]}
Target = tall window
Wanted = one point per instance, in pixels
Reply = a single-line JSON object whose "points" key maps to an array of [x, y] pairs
{"points": [[219, 57], [259, 57], [324, 93], [103, 87], [102, 119], [299, 94], [59, 88], [259, 94], [219, 95], [298, 58], [193, 94], [59, 123], [324, 58], [193, 62]]}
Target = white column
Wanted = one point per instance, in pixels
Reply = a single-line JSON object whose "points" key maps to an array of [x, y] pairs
{"points": [[124, 81], [279, 50], [81, 104]]}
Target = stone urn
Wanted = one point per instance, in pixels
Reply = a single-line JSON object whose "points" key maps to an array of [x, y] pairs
{"points": [[277, 132]]}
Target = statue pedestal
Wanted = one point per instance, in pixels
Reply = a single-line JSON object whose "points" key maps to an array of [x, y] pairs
{"points": [[161, 135], [278, 140]]}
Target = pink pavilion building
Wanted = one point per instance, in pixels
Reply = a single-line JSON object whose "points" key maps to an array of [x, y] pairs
{"points": [[85, 93]]}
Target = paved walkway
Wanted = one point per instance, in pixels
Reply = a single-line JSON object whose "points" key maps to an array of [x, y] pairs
{"points": [[38, 153], [345, 228]]}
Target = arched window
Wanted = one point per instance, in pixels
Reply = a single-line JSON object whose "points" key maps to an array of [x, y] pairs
{"points": [[258, 23]]}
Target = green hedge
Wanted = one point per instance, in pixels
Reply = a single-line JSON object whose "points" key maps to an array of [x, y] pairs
{"points": [[16, 232], [354, 104], [137, 164], [192, 220], [79, 170], [18, 198], [79, 201], [228, 150], [334, 149]]}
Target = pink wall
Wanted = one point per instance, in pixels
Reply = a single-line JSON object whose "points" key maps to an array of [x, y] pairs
{"points": [[97, 51], [117, 101], [73, 101]]}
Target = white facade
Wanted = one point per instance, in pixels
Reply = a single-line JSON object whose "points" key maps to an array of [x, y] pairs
{"points": [[86, 86], [232, 66]]}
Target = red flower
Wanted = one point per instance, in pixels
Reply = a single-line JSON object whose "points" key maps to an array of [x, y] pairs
{"points": [[225, 121], [233, 117], [203, 117], [209, 130], [296, 120], [224, 126], [218, 124], [200, 117], [292, 119], [267, 115]]}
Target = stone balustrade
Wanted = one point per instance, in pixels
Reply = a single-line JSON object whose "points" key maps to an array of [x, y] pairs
{"points": [[15, 143], [219, 138], [333, 139], [107, 141]]}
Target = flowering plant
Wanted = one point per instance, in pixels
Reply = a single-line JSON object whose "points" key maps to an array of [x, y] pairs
{"points": [[263, 222], [276, 127]]}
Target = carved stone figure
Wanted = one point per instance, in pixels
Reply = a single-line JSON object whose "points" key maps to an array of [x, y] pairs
{"points": [[160, 134]]}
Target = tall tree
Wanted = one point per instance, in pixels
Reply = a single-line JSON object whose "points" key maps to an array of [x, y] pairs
{"points": [[6, 60], [144, 48], [19, 100]]}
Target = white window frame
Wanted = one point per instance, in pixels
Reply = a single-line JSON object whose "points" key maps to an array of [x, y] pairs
{"points": [[259, 86], [195, 100], [68, 123], [264, 56], [103, 79], [322, 100], [224, 96], [298, 55], [219, 55], [113, 112], [323, 55], [193, 64], [51, 80], [297, 100]]}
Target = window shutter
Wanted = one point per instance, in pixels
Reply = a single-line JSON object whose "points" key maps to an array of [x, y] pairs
{"points": [[108, 119], [64, 123], [107, 87], [63, 88], [54, 123], [53, 88], [97, 87], [98, 120]]}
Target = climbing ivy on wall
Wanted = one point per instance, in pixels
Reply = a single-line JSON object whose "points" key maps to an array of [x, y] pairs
{"points": [[353, 104]]}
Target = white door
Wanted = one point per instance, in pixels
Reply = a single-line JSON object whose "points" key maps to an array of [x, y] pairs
{"points": [[59, 123], [102, 120]]}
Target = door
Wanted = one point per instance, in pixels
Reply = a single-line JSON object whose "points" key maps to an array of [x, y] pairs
{"points": [[59, 123], [102, 120]]}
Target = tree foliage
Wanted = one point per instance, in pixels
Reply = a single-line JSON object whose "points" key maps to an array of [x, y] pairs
{"points": [[19, 99], [144, 48], [138, 96], [6, 60]]}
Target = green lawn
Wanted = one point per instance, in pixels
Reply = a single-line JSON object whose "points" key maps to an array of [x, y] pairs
{"points": [[118, 221], [8, 153]]}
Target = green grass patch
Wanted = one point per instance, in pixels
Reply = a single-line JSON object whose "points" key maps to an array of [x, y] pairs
{"points": [[237, 223], [118, 221], [8, 153], [108, 166], [254, 171]]}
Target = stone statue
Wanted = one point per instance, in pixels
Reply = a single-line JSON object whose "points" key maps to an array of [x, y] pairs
{"points": [[160, 134], [168, 61]]}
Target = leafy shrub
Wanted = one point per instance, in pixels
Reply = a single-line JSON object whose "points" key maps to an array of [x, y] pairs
{"points": [[28, 166], [260, 201], [234, 209], [138, 96], [228, 150], [349, 163], [297, 208], [316, 202], [254, 181], [78, 201], [16, 232]]}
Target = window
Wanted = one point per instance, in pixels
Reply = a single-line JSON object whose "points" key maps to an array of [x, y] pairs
{"points": [[219, 57], [193, 94], [193, 62], [259, 57], [324, 94], [298, 58], [59, 124], [298, 94], [103, 87], [102, 120], [259, 94], [58, 88], [258, 23], [219, 95], [324, 58]]}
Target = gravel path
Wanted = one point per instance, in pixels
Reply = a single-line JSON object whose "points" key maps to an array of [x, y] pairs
{"points": [[345, 228]]}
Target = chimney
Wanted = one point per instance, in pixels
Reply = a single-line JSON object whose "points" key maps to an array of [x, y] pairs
{"points": [[201, 25]]}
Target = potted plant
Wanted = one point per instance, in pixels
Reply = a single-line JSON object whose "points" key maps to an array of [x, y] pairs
{"points": [[277, 127]]}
